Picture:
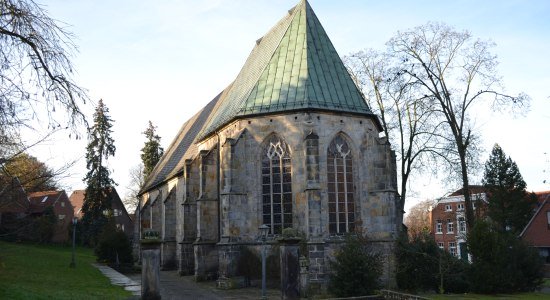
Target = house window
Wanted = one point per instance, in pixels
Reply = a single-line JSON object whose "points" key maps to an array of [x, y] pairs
{"points": [[460, 206], [473, 205], [448, 207], [276, 185], [440, 245], [61, 217], [117, 212], [450, 226], [341, 204], [62, 204], [452, 248], [439, 227], [461, 224], [548, 218]]}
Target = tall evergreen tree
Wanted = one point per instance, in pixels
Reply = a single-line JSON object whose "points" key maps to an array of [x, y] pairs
{"points": [[510, 206], [96, 201], [151, 151]]}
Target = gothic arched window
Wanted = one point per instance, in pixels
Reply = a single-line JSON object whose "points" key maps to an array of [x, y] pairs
{"points": [[276, 185], [341, 205]]}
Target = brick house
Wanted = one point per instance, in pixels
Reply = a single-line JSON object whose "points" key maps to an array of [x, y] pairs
{"points": [[121, 216], [14, 203], [62, 209], [448, 220], [537, 231]]}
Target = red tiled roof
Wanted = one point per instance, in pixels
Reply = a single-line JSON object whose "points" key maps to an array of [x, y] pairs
{"points": [[40, 200], [474, 189]]}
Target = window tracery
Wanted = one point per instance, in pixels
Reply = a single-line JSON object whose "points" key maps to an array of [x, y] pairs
{"points": [[276, 185], [340, 187]]}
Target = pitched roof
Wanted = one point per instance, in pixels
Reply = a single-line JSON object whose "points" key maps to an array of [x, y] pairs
{"points": [[473, 189], [182, 147], [293, 67], [536, 231], [40, 200]]}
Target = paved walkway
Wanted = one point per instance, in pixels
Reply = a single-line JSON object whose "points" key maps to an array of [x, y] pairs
{"points": [[173, 286], [120, 279]]}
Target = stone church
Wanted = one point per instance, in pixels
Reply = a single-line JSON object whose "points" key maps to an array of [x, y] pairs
{"points": [[290, 143]]}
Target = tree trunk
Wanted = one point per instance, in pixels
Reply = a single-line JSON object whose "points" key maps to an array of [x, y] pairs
{"points": [[466, 188]]}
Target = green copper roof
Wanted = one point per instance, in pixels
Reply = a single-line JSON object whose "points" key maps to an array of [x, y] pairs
{"points": [[293, 67]]}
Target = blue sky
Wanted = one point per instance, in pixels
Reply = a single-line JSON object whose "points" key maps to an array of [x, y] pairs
{"points": [[163, 60]]}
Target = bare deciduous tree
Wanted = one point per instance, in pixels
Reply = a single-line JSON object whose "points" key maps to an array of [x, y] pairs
{"points": [[137, 179], [35, 73], [406, 118], [456, 73]]}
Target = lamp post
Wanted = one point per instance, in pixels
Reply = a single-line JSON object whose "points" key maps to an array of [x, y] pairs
{"points": [[75, 220], [264, 230]]}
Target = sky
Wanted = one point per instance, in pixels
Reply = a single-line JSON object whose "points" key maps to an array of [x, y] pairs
{"points": [[164, 60]]}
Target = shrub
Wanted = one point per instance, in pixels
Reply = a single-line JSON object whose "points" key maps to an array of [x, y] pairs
{"points": [[455, 274], [356, 270], [422, 266], [113, 243], [417, 263], [502, 263]]}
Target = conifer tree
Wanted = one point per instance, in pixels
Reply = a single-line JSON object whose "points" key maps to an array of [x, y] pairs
{"points": [[151, 151], [510, 206], [100, 147]]}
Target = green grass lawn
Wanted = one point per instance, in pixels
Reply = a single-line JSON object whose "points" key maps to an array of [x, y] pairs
{"points": [[42, 272]]}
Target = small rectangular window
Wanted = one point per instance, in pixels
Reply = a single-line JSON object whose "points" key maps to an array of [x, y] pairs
{"points": [[62, 204], [448, 207], [440, 245], [461, 225], [452, 248], [450, 226], [460, 206], [61, 217], [439, 227]]}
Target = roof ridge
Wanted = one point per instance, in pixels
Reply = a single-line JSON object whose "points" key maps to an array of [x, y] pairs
{"points": [[230, 105]]}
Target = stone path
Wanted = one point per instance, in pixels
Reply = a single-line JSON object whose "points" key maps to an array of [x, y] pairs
{"points": [[120, 279], [173, 286]]}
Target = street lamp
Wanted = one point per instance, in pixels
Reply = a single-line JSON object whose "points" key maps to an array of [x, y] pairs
{"points": [[264, 230], [75, 220]]}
